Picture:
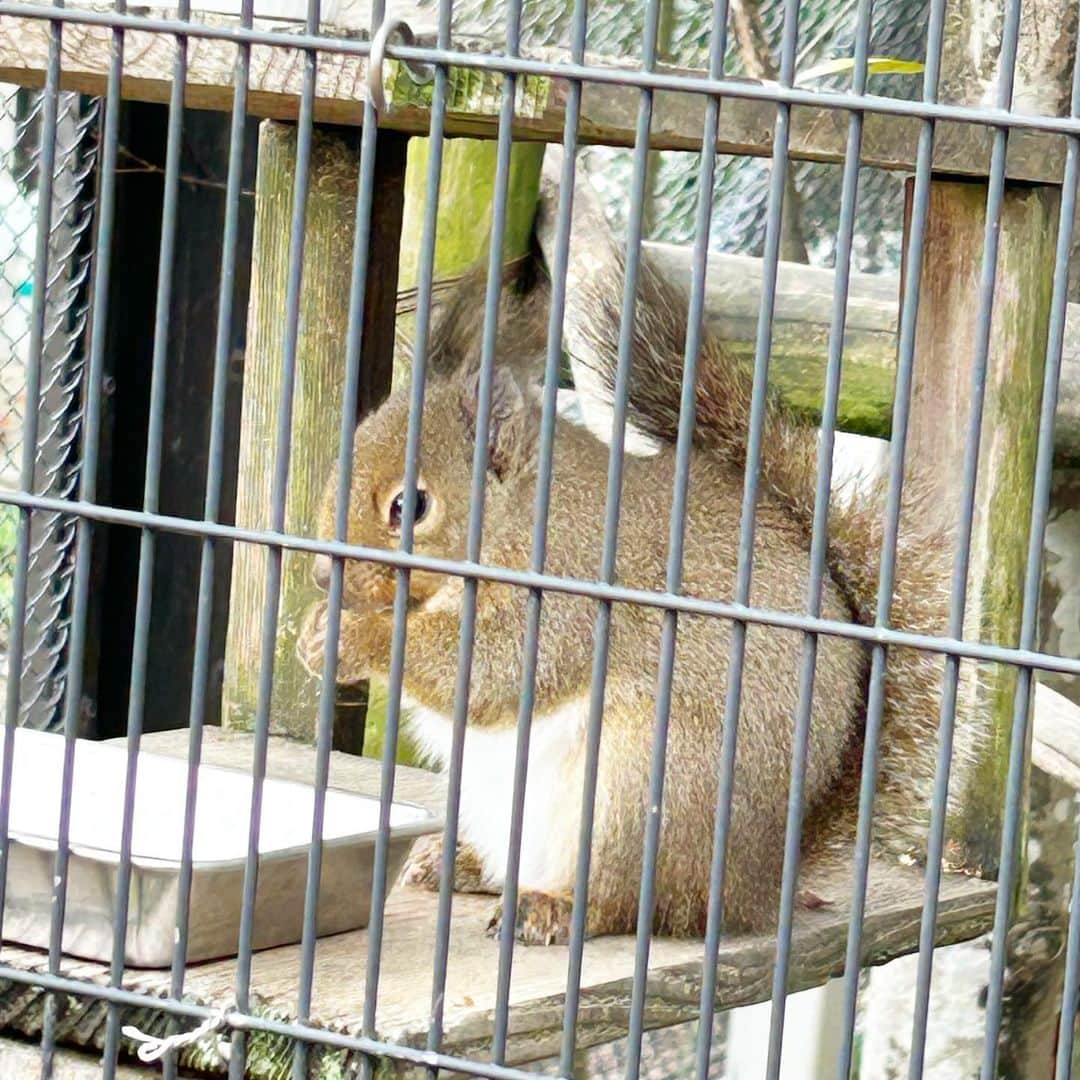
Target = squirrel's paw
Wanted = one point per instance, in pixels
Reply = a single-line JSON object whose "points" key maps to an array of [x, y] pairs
{"points": [[542, 918], [423, 868], [810, 901]]}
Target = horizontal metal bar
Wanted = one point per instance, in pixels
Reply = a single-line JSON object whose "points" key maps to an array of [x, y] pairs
{"points": [[689, 83], [527, 579], [246, 1022]]}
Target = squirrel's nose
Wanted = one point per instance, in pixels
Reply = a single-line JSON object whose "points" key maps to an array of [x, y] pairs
{"points": [[321, 571]]}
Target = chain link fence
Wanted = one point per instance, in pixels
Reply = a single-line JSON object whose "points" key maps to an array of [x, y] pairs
{"points": [[56, 456]]}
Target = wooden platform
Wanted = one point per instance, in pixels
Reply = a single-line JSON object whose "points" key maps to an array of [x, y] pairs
{"points": [[744, 964], [608, 111]]}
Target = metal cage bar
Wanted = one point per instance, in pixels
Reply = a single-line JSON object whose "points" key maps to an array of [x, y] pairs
{"points": [[151, 501], [612, 500], [92, 409], [200, 673], [46, 164], [327, 699], [897, 446], [425, 285], [526, 579], [962, 557], [282, 451], [541, 512], [818, 544]]}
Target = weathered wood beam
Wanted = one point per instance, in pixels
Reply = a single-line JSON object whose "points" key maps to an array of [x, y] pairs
{"points": [[608, 113], [320, 375], [800, 337]]}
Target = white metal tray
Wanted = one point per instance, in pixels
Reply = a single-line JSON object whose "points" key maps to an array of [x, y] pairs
{"points": [[220, 847]]}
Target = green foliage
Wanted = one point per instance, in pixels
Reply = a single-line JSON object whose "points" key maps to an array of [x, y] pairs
{"points": [[375, 729]]}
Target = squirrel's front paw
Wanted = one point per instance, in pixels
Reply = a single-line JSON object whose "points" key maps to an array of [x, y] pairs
{"points": [[424, 867], [542, 918]]}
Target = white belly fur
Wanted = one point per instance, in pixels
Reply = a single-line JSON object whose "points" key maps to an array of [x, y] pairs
{"points": [[552, 790]]}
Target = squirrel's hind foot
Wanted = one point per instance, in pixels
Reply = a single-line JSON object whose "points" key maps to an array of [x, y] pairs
{"points": [[542, 918]]}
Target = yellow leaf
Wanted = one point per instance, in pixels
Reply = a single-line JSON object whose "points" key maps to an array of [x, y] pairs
{"points": [[876, 65]]}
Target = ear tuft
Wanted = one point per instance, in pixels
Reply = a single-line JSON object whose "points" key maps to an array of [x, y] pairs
{"points": [[508, 424]]}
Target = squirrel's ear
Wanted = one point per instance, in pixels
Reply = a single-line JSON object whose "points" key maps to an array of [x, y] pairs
{"points": [[508, 428]]}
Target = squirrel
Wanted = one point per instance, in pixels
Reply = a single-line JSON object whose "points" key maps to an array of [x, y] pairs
{"points": [[772, 658]]}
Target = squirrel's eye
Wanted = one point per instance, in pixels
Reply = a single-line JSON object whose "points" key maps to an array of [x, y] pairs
{"points": [[398, 502]]}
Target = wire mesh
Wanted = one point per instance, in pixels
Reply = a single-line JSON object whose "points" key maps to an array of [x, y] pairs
{"points": [[52, 510], [56, 470]]}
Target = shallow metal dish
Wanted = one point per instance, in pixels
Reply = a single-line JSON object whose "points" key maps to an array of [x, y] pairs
{"points": [[219, 852]]}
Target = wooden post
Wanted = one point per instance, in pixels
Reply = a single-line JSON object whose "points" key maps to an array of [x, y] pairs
{"points": [[186, 423], [324, 305], [939, 418], [941, 392]]}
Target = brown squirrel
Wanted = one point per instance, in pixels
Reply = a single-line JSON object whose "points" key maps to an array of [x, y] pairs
{"points": [[770, 679]]}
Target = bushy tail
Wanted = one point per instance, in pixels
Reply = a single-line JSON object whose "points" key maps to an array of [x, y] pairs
{"points": [[788, 468]]}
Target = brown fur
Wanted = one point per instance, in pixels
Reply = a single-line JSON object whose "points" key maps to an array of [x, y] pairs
{"points": [[770, 680], [920, 599]]}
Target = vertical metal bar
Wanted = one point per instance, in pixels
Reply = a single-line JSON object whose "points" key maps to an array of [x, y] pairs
{"points": [[425, 280], [17, 635], [1070, 996], [283, 444], [962, 558], [84, 529], [762, 355], [328, 689], [151, 502], [612, 502], [541, 511], [819, 541], [1040, 508], [474, 535], [897, 447], [200, 673], [676, 539]]}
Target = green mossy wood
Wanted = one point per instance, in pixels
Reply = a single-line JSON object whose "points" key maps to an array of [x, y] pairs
{"points": [[320, 372], [941, 402]]}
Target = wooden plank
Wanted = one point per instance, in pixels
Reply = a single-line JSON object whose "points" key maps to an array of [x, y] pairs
{"points": [[608, 111], [744, 964], [22, 1061], [800, 338]]}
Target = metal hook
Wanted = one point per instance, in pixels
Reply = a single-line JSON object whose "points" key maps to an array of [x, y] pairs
{"points": [[421, 74]]}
